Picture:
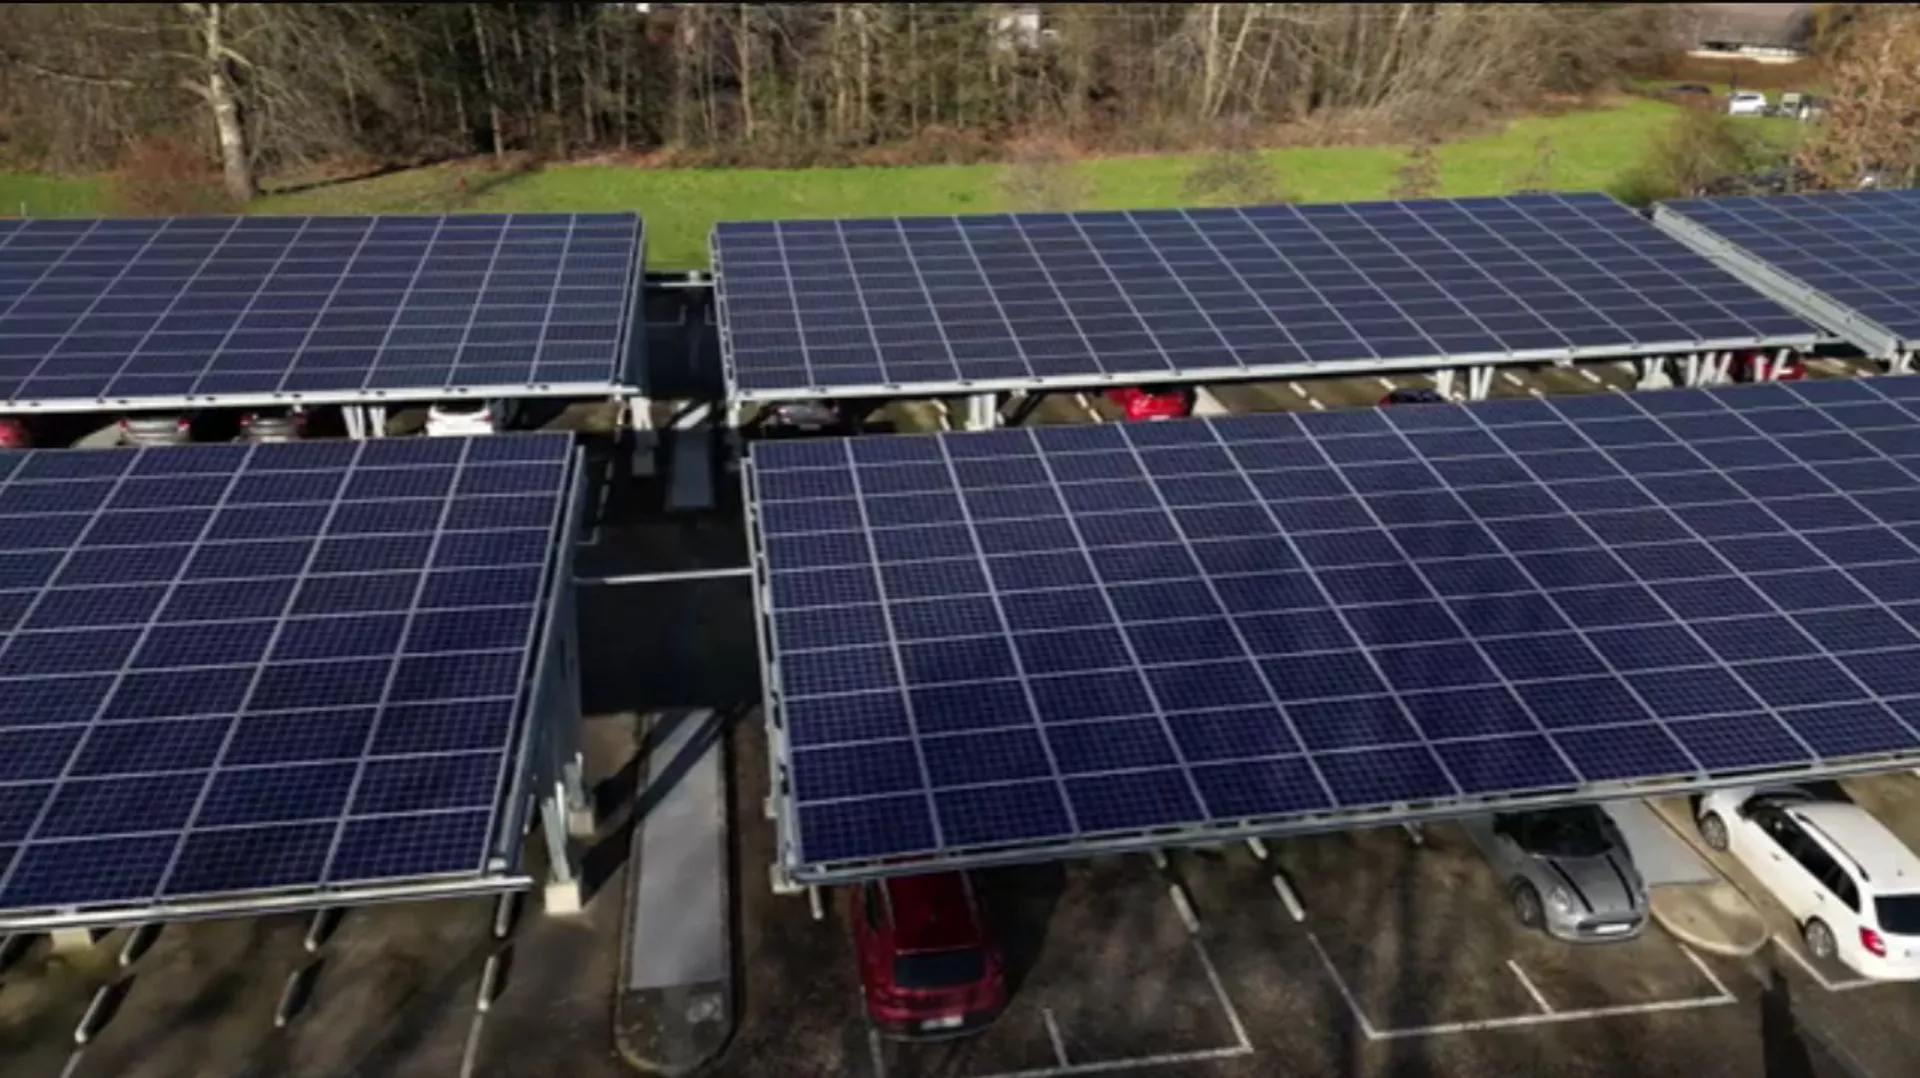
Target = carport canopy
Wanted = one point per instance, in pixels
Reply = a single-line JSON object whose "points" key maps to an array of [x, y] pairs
{"points": [[1036, 644]]}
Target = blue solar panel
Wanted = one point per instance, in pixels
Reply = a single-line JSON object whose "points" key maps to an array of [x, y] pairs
{"points": [[1003, 662], [185, 716], [898, 306], [1852, 257], [329, 308]]}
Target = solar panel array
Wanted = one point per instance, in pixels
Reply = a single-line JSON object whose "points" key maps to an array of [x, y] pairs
{"points": [[1859, 248], [890, 305], [230, 669], [317, 308], [1036, 639]]}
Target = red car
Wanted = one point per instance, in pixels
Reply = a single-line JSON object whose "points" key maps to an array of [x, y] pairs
{"points": [[14, 434], [1752, 367], [928, 964], [1141, 404]]}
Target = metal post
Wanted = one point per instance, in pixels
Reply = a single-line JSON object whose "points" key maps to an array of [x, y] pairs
{"points": [[376, 421], [1479, 382], [1443, 381], [983, 412], [356, 427]]}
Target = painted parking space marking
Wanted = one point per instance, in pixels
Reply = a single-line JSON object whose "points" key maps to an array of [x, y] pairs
{"points": [[1847, 984], [1057, 1035], [1532, 989], [1720, 997]]}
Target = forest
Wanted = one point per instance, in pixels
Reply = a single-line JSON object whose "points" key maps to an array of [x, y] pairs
{"points": [[262, 92]]}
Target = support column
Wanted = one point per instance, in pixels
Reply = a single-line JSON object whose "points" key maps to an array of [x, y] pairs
{"points": [[1901, 362], [1651, 373], [1479, 382], [376, 421], [983, 411], [1443, 381], [356, 423], [639, 420]]}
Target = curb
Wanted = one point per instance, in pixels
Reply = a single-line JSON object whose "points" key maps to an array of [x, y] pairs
{"points": [[1719, 906], [1713, 917]]}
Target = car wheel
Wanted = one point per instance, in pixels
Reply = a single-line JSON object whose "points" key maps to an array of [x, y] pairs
{"points": [[1526, 904], [1713, 831], [1819, 939]]}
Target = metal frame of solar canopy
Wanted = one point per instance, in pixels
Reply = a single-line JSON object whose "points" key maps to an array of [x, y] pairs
{"points": [[1095, 380], [1797, 295], [788, 870], [546, 778], [628, 366]]}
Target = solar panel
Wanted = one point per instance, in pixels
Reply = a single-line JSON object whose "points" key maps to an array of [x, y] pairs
{"points": [[231, 670], [1849, 260], [913, 305], [1038, 641], [242, 310]]}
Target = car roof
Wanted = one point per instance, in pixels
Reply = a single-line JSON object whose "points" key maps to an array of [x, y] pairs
{"points": [[933, 912], [1887, 861]]}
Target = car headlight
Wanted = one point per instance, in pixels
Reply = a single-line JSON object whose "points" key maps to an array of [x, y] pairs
{"points": [[1560, 900]]}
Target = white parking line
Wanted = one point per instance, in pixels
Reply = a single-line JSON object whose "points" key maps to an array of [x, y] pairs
{"points": [[1053, 1034], [1387, 384], [1706, 971], [1086, 405], [1511, 379], [874, 1051], [1588, 375], [1721, 998], [1532, 989], [1813, 971], [1242, 1045]]}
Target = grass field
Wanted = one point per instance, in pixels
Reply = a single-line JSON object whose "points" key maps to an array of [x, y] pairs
{"points": [[1596, 149]]}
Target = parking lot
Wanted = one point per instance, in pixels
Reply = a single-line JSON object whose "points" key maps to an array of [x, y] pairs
{"points": [[1405, 959]]}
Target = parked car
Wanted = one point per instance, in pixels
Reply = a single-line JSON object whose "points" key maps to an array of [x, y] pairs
{"points": [[469, 417], [14, 434], [281, 425], [929, 966], [1756, 366], [1851, 885], [1139, 405], [1568, 872], [1746, 103], [156, 429], [1412, 395]]}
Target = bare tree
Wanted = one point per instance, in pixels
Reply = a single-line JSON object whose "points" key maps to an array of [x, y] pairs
{"points": [[1872, 125], [214, 83]]}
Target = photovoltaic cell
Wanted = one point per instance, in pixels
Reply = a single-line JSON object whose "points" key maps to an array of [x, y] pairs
{"points": [[1008, 663], [194, 713], [260, 309], [905, 305], [1849, 259]]}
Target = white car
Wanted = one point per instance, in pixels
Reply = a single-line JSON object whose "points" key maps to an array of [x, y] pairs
{"points": [[1747, 103], [1851, 885], [465, 418]]}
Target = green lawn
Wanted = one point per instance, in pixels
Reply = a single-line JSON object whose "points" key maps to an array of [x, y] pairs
{"points": [[1591, 150]]}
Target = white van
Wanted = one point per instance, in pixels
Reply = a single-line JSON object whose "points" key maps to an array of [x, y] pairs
{"points": [[1747, 103]]}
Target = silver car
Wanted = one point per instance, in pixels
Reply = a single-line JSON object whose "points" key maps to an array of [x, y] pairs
{"points": [[1568, 872]]}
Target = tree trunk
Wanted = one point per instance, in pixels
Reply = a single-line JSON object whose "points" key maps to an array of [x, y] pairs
{"points": [[744, 46], [222, 96], [460, 117], [488, 82]]}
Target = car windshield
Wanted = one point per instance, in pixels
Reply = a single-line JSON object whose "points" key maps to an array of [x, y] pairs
{"points": [[932, 970], [1899, 914], [1564, 833]]}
